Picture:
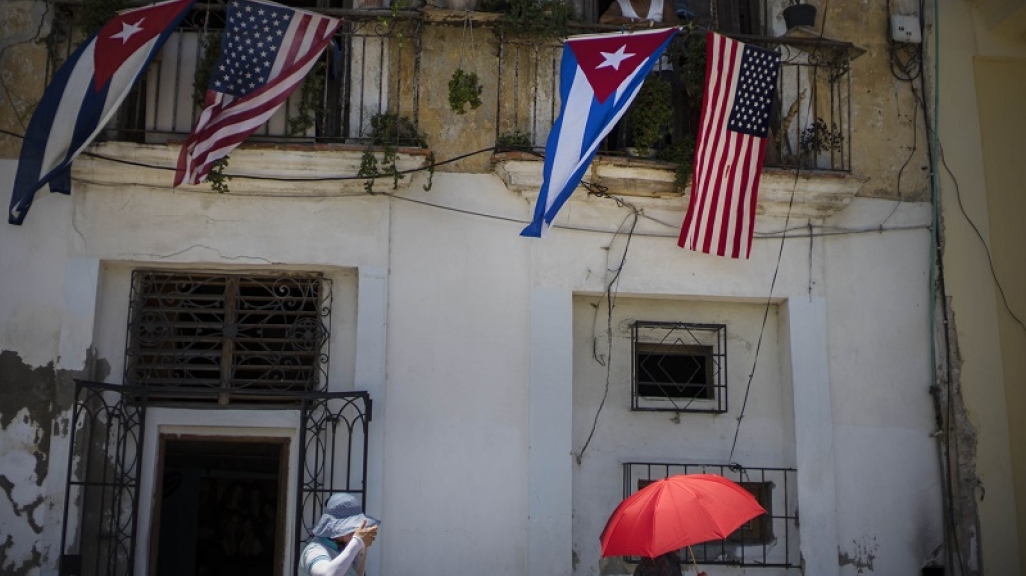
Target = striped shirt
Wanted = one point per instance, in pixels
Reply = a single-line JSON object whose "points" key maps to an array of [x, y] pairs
{"points": [[322, 549]]}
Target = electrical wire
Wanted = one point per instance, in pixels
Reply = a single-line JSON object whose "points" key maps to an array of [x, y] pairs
{"points": [[610, 297], [765, 316], [823, 230]]}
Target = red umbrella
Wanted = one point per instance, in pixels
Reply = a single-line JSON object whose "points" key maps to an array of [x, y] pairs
{"points": [[675, 512]]}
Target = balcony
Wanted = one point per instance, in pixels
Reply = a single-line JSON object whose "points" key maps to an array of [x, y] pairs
{"points": [[391, 68]]}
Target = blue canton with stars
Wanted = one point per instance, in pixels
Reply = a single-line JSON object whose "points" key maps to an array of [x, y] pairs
{"points": [[757, 80], [252, 39]]}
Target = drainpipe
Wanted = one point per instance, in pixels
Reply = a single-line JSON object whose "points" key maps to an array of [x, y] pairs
{"points": [[944, 441]]}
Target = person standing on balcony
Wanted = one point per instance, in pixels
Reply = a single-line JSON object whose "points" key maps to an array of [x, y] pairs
{"points": [[339, 539], [657, 13]]}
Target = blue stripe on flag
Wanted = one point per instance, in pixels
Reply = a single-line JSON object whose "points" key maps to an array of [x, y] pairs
{"points": [[600, 121]]}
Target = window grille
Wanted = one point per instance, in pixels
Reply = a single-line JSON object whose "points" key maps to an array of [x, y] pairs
{"points": [[679, 367], [254, 337], [770, 540]]}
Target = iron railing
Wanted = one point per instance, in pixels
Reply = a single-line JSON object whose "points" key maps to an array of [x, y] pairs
{"points": [[679, 367], [373, 68], [810, 123], [100, 533], [262, 334], [769, 541]]}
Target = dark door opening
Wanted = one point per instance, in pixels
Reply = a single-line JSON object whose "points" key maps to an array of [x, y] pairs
{"points": [[220, 507]]}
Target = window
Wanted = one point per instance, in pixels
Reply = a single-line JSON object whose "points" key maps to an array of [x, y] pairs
{"points": [[758, 530], [254, 337], [770, 540], [679, 367]]}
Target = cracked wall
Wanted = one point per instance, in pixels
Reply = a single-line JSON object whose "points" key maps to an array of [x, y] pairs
{"points": [[22, 66], [35, 406]]}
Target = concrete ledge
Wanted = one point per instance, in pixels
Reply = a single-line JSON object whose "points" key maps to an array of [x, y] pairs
{"points": [[152, 166], [650, 184]]}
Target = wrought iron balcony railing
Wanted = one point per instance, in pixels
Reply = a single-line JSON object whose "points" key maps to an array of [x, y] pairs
{"points": [[374, 68], [371, 68], [811, 121]]}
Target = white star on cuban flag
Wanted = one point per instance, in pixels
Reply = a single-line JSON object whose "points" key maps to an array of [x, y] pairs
{"points": [[84, 95], [599, 77]]}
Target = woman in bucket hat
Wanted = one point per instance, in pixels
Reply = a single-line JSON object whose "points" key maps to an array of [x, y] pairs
{"points": [[339, 539]]}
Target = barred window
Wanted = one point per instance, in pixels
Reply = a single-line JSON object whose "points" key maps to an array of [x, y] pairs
{"points": [[679, 367], [768, 540], [229, 337]]}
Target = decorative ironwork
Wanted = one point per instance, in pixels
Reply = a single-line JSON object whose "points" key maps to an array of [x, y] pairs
{"points": [[679, 367], [334, 428], [102, 490], [261, 334], [814, 83], [99, 535], [372, 67], [769, 541]]}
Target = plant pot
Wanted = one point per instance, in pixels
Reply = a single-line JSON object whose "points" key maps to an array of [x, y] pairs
{"points": [[800, 15], [461, 4]]}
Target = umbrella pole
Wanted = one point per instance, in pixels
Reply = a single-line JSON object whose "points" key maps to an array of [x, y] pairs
{"points": [[692, 553]]}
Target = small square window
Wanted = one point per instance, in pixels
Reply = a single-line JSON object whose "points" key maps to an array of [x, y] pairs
{"points": [[679, 367]]}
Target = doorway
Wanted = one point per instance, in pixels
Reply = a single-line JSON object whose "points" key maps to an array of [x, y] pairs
{"points": [[220, 506]]}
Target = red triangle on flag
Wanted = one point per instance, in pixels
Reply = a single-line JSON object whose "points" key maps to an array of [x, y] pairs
{"points": [[127, 32], [608, 60]]}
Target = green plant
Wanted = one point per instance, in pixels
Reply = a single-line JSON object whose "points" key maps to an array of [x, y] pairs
{"points": [[817, 139], [311, 97], [683, 155], [93, 14], [532, 19], [464, 89], [515, 140], [651, 114], [688, 55], [394, 130], [217, 178], [388, 131]]}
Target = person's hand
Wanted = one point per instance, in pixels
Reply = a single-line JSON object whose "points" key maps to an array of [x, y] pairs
{"points": [[366, 534]]}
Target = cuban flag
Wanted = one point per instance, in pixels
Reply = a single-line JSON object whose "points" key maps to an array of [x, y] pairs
{"points": [[85, 94], [599, 77]]}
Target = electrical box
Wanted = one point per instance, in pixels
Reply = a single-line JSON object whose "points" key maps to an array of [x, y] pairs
{"points": [[905, 29]]}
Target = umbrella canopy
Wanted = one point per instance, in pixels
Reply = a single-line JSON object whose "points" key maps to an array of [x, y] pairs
{"points": [[675, 512]]}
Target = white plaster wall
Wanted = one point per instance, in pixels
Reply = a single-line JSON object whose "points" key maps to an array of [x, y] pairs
{"points": [[889, 513], [457, 476], [32, 282], [32, 260], [766, 438], [456, 444]]}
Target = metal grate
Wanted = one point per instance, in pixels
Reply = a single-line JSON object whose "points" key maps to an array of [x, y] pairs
{"points": [[371, 68], [100, 533], [769, 541], [262, 335], [679, 367]]}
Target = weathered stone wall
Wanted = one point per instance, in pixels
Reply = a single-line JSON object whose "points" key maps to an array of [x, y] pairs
{"points": [[22, 66]]}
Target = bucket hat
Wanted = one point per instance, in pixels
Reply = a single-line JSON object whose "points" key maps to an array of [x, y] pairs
{"points": [[343, 514]]}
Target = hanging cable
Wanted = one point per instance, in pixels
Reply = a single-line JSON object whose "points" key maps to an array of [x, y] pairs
{"points": [[765, 316]]}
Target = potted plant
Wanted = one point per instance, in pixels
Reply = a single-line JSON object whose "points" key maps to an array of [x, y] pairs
{"points": [[799, 13], [818, 139], [651, 115]]}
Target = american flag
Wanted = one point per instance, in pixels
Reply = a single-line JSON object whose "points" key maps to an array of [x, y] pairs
{"points": [[266, 51], [739, 84]]}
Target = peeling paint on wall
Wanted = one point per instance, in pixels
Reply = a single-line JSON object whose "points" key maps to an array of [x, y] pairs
{"points": [[861, 557], [35, 403]]}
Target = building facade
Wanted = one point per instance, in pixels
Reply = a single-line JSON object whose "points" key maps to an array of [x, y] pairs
{"points": [[185, 373]]}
